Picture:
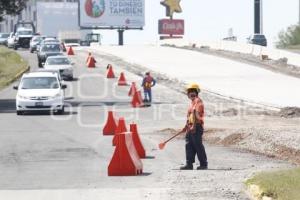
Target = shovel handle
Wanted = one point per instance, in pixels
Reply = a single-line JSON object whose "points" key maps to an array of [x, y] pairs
{"points": [[174, 136]]}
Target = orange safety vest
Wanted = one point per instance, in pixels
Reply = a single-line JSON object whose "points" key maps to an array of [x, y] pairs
{"points": [[148, 82], [196, 106]]}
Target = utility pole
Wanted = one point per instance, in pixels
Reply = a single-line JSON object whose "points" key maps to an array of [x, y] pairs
{"points": [[299, 13]]}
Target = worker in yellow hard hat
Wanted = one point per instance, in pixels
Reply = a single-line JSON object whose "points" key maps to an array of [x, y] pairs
{"points": [[194, 130]]}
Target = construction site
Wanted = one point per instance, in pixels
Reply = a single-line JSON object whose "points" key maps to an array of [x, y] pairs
{"points": [[176, 118]]}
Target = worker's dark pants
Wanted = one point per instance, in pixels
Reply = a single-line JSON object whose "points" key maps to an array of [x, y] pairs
{"points": [[148, 95], [194, 146]]}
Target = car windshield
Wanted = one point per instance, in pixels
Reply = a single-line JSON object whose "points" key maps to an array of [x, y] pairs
{"points": [[259, 36], [37, 39], [57, 61], [39, 83], [25, 32], [4, 35], [51, 47]]}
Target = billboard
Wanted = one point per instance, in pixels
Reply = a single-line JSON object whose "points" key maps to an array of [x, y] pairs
{"points": [[111, 13], [171, 26]]}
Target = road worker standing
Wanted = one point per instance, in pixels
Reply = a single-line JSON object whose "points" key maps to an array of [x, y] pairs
{"points": [[148, 83], [194, 130]]}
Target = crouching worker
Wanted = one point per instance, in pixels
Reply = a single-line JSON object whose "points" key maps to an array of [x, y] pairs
{"points": [[194, 130]]}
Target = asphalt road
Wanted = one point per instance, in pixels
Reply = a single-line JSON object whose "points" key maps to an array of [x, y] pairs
{"points": [[66, 156]]}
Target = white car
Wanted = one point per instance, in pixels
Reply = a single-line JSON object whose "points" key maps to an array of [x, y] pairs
{"points": [[40, 91], [71, 42], [11, 40], [61, 63]]}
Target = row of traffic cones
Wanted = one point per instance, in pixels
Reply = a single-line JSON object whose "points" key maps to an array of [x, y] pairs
{"points": [[137, 100], [129, 149]]}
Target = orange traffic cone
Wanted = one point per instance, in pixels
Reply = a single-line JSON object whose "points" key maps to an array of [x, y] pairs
{"points": [[110, 73], [132, 90], [122, 80], [125, 160], [91, 62], [137, 100], [70, 51], [137, 141], [110, 126], [121, 128]]}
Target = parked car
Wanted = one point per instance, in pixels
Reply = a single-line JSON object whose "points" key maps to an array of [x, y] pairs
{"points": [[61, 63], [11, 40], [40, 91], [3, 38], [46, 50], [34, 42], [258, 39]]}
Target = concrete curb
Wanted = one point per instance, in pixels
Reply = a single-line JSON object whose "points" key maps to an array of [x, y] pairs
{"points": [[256, 50]]}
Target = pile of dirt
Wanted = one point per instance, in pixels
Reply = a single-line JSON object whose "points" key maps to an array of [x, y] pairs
{"points": [[233, 139], [289, 112], [227, 112]]}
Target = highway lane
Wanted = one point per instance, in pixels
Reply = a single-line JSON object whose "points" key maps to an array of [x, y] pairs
{"points": [[48, 154]]}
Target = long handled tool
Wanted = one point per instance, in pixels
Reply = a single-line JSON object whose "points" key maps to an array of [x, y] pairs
{"points": [[163, 144]]}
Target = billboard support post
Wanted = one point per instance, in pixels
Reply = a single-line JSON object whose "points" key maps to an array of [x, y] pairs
{"points": [[121, 36]]}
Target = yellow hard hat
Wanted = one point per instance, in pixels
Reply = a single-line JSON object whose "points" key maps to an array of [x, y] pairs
{"points": [[193, 86]]}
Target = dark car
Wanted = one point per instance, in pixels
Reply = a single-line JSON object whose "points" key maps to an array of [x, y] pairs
{"points": [[258, 39], [47, 50], [46, 40]]}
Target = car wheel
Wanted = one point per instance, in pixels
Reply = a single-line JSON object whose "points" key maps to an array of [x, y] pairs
{"points": [[40, 65], [20, 112], [60, 112], [31, 51], [15, 47]]}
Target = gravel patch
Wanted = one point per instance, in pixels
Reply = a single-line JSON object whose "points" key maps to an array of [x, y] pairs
{"points": [[289, 112]]}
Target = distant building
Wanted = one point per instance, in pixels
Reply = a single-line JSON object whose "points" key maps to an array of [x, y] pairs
{"points": [[28, 14]]}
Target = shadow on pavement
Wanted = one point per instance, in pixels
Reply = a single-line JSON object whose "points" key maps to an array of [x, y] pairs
{"points": [[145, 174], [7, 105]]}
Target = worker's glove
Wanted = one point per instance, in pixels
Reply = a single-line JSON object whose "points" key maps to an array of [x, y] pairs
{"points": [[184, 129]]}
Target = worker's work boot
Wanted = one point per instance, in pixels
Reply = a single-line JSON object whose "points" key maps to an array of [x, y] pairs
{"points": [[187, 167], [202, 168]]}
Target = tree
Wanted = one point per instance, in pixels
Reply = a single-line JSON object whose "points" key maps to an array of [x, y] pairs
{"points": [[289, 37], [11, 7]]}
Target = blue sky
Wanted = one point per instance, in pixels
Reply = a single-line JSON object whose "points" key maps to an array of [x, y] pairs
{"points": [[211, 19]]}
